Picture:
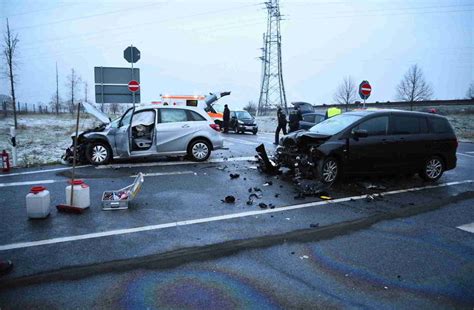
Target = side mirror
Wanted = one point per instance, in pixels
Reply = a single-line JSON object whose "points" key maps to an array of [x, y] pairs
{"points": [[234, 117], [360, 133]]}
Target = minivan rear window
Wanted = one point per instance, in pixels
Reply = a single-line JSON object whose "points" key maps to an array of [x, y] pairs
{"points": [[440, 125], [406, 125]]}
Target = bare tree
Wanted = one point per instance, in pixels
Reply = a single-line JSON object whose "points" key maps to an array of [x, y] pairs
{"points": [[10, 41], [413, 86], [73, 83], [346, 92], [55, 103], [251, 107], [470, 92], [114, 108]]}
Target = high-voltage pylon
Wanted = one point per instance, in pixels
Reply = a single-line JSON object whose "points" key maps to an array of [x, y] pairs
{"points": [[272, 92]]}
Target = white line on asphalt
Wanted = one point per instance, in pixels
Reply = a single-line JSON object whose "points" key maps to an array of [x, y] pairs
{"points": [[240, 141], [157, 174], [27, 183], [173, 163], [471, 156], [41, 171], [28, 244], [470, 152], [467, 227], [59, 181]]}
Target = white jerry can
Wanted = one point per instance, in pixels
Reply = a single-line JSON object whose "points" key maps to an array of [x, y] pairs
{"points": [[81, 197], [38, 202]]}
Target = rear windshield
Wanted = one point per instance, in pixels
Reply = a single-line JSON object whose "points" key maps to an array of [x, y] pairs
{"points": [[440, 125], [335, 124]]}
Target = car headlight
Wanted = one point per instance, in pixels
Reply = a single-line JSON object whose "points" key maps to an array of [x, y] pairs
{"points": [[240, 122]]}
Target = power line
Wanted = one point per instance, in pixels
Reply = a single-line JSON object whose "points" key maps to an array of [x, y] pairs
{"points": [[120, 29], [40, 10], [86, 16]]}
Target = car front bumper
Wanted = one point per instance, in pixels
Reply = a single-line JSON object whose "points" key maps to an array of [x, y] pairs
{"points": [[249, 128]]}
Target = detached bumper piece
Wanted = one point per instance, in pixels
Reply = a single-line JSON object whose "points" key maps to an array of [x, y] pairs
{"points": [[69, 154], [265, 164]]}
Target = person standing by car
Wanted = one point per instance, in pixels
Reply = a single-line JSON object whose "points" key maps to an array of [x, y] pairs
{"points": [[281, 116], [295, 118], [226, 119]]}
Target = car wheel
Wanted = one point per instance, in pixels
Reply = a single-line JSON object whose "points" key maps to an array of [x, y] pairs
{"points": [[236, 130], [199, 150], [254, 132], [433, 169], [98, 153], [328, 170]]}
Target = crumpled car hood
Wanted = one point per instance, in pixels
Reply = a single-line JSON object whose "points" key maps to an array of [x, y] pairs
{"points": [[95, 112], [303, 137]]}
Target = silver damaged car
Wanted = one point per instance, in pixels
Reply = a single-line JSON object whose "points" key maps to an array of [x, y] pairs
{"points": [[148, 131]]}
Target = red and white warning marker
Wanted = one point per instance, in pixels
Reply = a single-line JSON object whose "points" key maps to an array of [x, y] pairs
{"points": [[133, 86]]}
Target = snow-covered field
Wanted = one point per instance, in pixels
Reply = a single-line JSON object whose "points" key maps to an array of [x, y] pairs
{"points": [[42, 138]]}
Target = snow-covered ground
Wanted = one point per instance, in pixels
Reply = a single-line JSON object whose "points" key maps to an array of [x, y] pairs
{"points": [[42, 138]]}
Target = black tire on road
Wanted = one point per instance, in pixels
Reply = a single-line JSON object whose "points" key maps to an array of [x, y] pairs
{"points": [[199, 150], [329, 170], [433, 169], [98, 153]]}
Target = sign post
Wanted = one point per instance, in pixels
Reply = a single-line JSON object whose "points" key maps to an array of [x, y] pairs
{"points": [[132, 55], [365, 90]]}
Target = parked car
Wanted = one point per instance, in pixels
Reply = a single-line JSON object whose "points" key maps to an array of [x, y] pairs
{"points": [[311, 119], [303, 107], [380, 141], [242, 121], [148, 131]]}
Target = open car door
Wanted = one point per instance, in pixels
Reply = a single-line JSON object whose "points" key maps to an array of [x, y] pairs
{"points": [[123, 135]]}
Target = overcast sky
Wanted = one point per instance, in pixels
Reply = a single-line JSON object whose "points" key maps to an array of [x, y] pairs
{"points": [[194, 47]]}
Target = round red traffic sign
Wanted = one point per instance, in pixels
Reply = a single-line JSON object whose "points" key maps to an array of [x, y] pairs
{"points": [[133, 86], [366, 89]]}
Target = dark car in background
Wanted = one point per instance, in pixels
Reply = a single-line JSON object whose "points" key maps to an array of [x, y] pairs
{"points": [[311, 119], [242, 121], [303, 107], [378, 141]]}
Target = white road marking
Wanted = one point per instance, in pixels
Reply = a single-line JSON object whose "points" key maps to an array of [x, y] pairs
{"points": [[214, 160], [27, 183], [240, 141], [41, 171], [467, 227], [470, 152], [117, 232], [471, 156], [156, 174]]}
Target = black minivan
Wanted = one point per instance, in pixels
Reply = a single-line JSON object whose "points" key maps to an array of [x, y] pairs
{"points": [[373, 141]]}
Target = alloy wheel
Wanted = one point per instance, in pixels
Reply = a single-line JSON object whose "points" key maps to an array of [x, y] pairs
{"points": [[329, 171], [434, 168]]}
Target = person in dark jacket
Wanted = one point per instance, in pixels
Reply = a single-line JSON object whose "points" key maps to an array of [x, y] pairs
{"points": [[281, 116], [226, 119], [295, 118]]}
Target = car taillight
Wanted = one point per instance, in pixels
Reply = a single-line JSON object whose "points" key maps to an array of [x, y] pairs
{"points": [[216, 127]]}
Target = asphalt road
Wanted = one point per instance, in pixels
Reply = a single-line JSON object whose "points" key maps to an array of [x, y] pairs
{"points": [[180, 246]]}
